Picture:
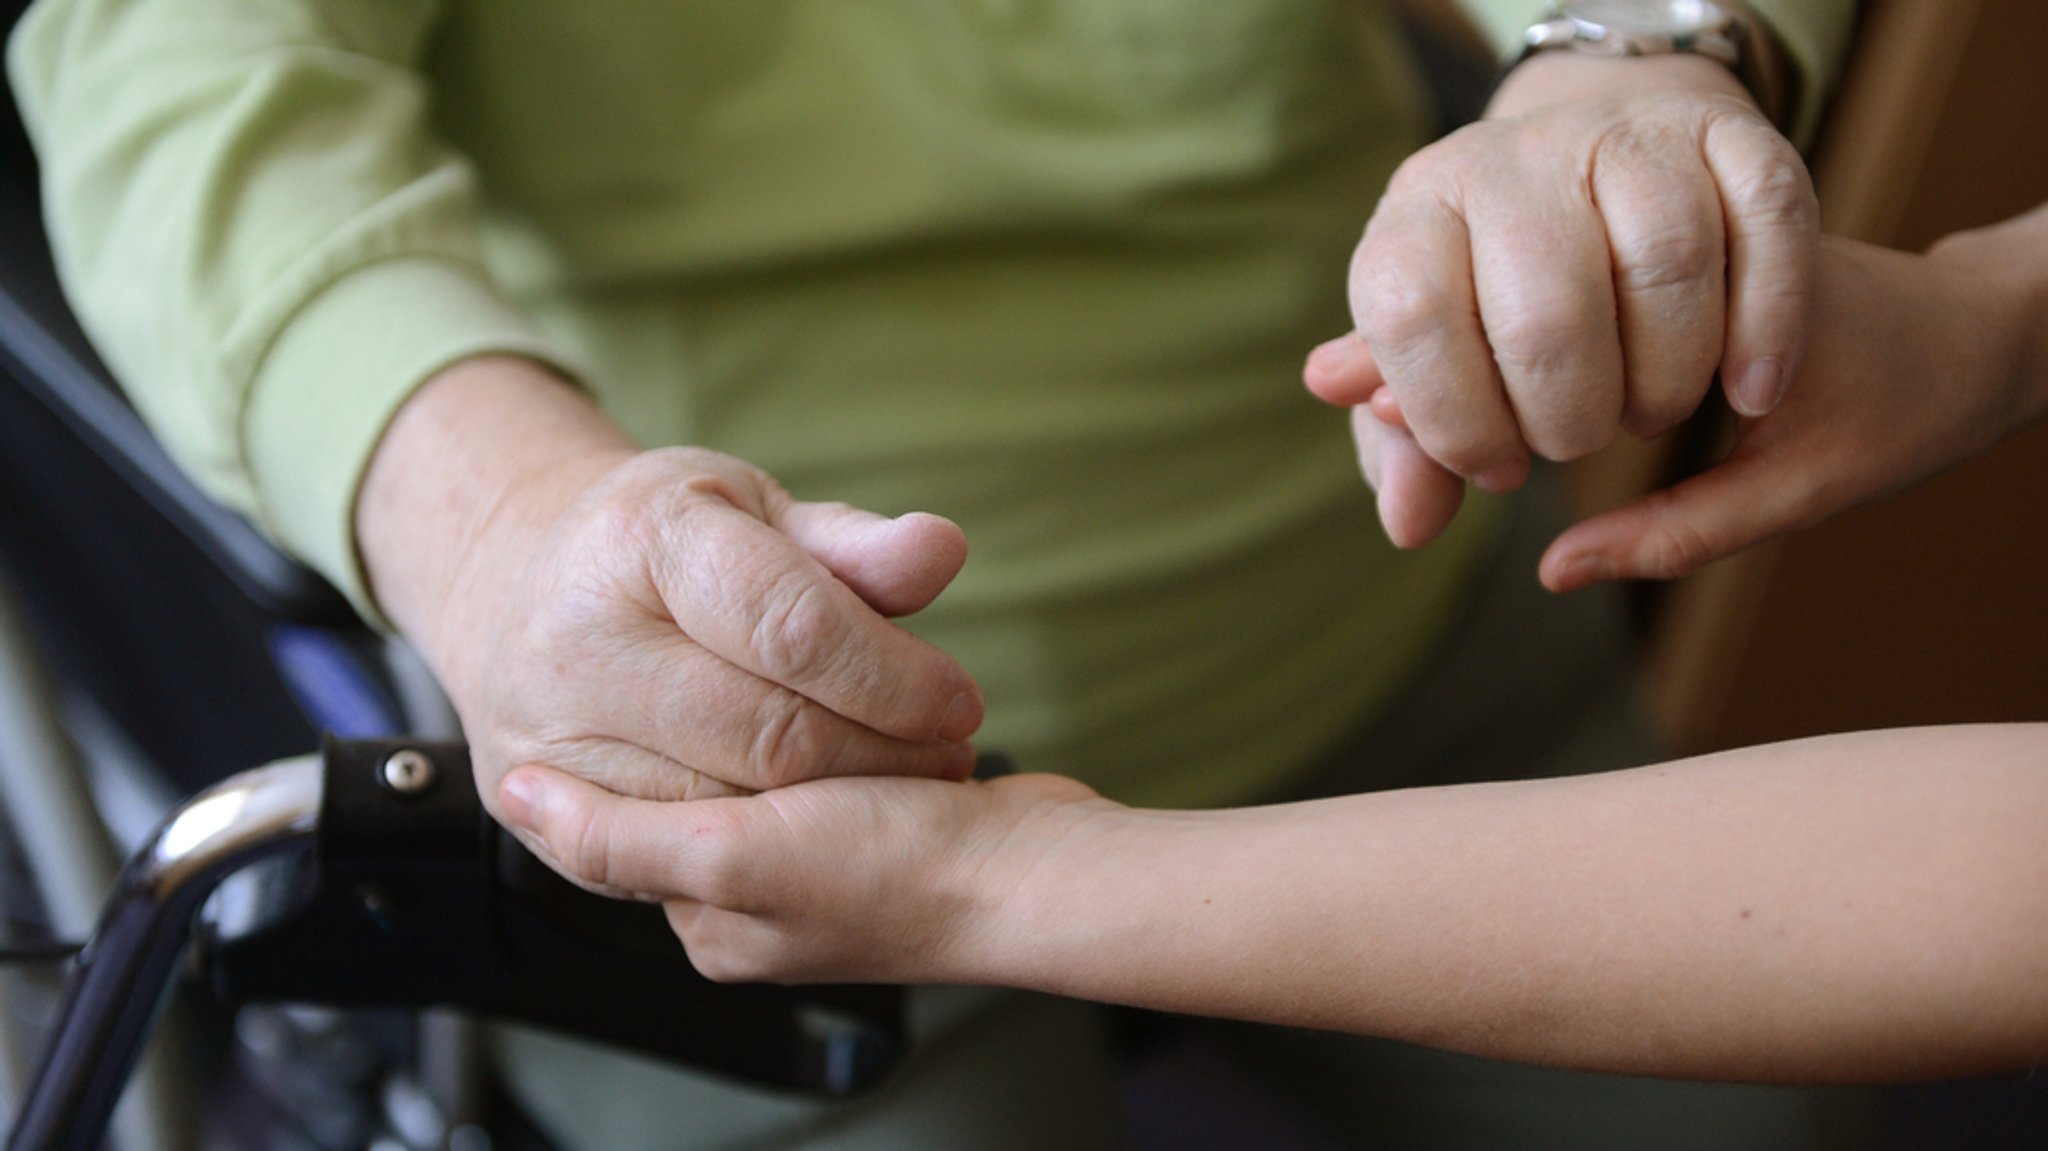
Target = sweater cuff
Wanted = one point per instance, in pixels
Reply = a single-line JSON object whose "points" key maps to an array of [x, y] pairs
{"points": [[334, 377]]}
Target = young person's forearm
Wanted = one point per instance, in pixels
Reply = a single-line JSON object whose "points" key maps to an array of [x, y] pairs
{"points": [[1857, 907]]}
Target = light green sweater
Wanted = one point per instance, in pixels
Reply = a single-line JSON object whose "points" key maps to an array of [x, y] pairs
{"points": [[1047, 267]]}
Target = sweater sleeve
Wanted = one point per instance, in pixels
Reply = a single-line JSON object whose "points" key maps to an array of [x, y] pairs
{"points": [[1814, 33], [261, 234]]}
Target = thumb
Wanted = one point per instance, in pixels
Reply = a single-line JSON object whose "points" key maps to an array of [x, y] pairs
{"points": [[1746, 499], [618, 845], [897, 566]]}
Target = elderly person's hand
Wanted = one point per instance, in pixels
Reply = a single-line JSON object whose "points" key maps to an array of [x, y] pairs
{"points": [[1582, 261], [667, 624]]}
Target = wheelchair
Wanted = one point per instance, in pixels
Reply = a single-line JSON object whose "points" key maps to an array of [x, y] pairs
{"points": [[150, 644]]}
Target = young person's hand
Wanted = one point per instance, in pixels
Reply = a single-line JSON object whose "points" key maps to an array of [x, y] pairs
{"points": [[1917, 363], [666, 624], [844, 880], [1830, 910]]}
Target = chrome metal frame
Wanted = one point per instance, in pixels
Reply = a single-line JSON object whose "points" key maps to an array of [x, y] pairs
{"points": [[121, 978], [49, 808]]}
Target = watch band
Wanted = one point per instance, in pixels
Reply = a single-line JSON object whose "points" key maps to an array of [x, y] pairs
{"points": [[1726, 46], [1742, 45]]}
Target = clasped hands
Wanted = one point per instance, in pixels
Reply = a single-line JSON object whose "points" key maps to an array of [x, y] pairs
{"points": [[1532, 285]]}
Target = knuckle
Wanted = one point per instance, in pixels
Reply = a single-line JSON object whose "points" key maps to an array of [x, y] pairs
{"points": [[1413, 174], [1778, 194], [686, 516], [1632, 145], [1667, 256], [798, 631], [1540, 339], [615, 523], [1676, 548], [790, 742], [684, 472], [1423, 171], [1397, 309], [1763, 178], [611, 509], [572, 617], [588, 843], [1785, 198]]}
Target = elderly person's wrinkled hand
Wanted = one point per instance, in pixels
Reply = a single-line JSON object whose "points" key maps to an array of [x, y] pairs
{"points": [[1582, 262], [665, 624]]}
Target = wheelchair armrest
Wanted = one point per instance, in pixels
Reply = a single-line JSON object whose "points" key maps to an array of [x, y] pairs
{"points": [[371, 876], [414, 897], [43, 351]]}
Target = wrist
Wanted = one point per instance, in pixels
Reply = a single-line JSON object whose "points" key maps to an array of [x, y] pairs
{"points": [[1033, 919], [470, 474], [1729, 35], [2007, 267], [2033, 354], [1563, 77]]}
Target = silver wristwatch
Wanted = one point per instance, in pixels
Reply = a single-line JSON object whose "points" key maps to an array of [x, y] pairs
{"points": [[1717, 29]]}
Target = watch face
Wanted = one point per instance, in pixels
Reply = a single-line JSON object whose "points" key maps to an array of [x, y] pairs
{"points": [[1647, 17]]}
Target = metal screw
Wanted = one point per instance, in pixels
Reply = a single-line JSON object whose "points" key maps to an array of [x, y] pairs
{"points": [[408, 771]]}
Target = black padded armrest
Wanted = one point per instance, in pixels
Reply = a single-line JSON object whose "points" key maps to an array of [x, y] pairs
{"points": [[43, 352]]}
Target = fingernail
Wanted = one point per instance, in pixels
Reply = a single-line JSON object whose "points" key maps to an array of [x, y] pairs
{"points": [[1501, 478], [1760, 388], [963, 715], [522, 796]]}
